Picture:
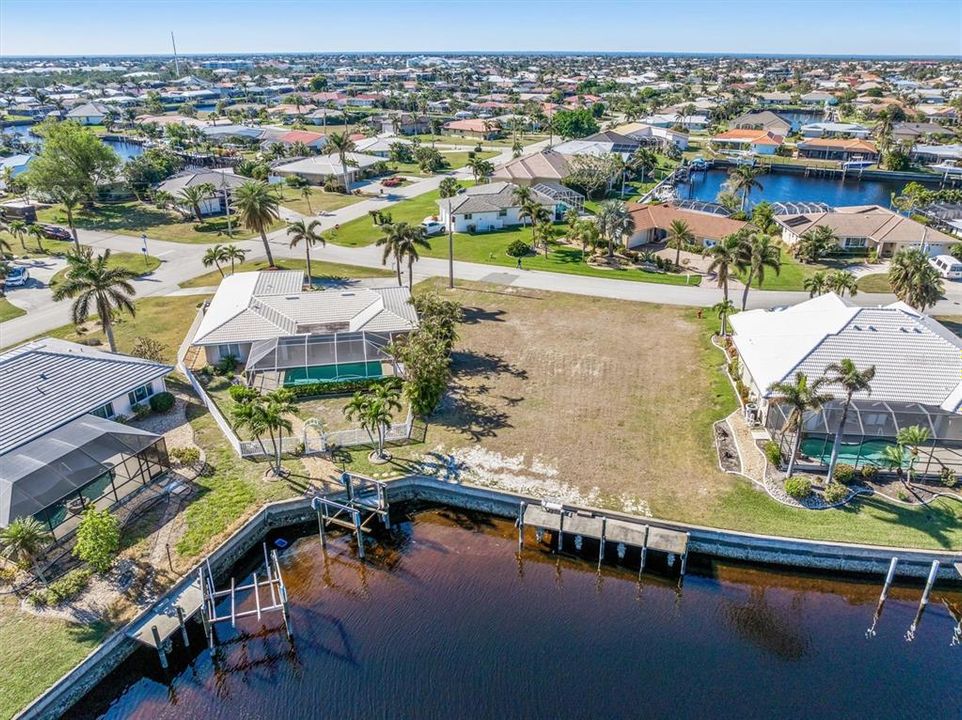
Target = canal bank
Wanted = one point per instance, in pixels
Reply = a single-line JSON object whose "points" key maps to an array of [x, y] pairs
{"points": [[839, 558]]}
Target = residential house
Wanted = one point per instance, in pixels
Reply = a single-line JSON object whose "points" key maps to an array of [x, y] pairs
{"points": [[547, 166], [670, 120], [838, 149], [757, 142], [314, 141], [283, 335], [91, 113], [763, 120], [64, 443], [818, 97], [774, 99], [475, 128], [835, 130], [652, 223], [492, 206], [405, 124], [225, 182], [651, 135], [317, 169], [860, 228], [918, 366], [914, 131], [937, 154]]}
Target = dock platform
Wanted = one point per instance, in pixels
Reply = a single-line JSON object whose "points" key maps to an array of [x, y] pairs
{"points": [[164, 616]]}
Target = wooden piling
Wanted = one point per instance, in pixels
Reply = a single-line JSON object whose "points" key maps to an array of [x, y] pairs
{"points": [[561, 525], [644, 554], [183, 625], [360, 534], [320, 530], [601, 542], [160, 647], [521, 508]]}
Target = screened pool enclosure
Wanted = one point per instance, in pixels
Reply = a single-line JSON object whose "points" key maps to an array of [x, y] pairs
{"points": [[89, 462], [302, 359], [871, 426]]}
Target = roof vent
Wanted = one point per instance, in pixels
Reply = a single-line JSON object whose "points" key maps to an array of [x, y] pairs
{"points": [[292, 297], [857, 327], [347, 294]]}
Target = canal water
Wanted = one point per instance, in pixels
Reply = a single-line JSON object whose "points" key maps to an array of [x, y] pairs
{"points": [[126, 150], [789, 187], [450, 623]]}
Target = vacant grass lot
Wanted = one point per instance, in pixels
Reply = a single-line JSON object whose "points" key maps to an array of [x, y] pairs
{"points": [[135, 218], [454, 160], [544, 402], [320, 201], [875, 283], [361, 231], [322, 271]]}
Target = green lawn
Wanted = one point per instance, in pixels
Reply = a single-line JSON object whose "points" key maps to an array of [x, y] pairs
{"points": [[320, 201], [9, 311], [130, 261], [458, 140], [793, 274], [136, 218], [35, 652], [875, 283], [320, 270], [361, 231], [454, 161]]}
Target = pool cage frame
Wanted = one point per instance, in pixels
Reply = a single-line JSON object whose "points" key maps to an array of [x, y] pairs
{"points": [[307, 351], [874, 420]]}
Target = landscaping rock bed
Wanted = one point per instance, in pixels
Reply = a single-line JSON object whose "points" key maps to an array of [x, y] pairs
{"points": [[727, 451]]}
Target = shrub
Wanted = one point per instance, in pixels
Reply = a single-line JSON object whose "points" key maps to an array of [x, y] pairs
{"points": [[63, 590], [869, 472], [140, 410], [185, 455], [98, 539], [7, 575], [798, 487], [518, 249], [161, 402], [773, 453], [242, 393], [902, 495], [339, 387], [226, 366], [835, 492], [844, 473], [948, 477]]}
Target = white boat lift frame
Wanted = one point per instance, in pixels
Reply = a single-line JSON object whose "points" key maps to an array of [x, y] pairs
{"points": [[365, 502]]}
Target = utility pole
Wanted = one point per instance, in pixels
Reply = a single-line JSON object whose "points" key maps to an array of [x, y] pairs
{"points": [[176, 59], [450, 247]]}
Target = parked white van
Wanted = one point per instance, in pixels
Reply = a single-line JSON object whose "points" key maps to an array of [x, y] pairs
{"points": [[947, 266]]}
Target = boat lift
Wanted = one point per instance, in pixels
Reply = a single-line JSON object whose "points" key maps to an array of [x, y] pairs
{"points": [[364, 503]]}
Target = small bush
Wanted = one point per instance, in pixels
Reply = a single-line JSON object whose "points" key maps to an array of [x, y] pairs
{"points": [[835, 492], [242, 393], [773, 453], [869, 473], [161, 402], [140, 410], [63, 590], [902, 495], [337, 387], [185, 455], [798, 487], [7, 575], [518, 249], [98, 539], [948, 477], [844, 473]]}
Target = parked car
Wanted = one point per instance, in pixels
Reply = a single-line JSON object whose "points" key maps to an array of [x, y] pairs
{"points": [[54, 232], [392, 182], [17, 276], [432, 226], [947, 266]]}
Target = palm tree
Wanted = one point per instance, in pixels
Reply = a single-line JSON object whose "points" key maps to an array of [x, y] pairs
{"points": [[448, 188], [758, 252], [802, 397], [401, 240], [841, 282], [914, 281], [679, 235], [522, 197], [267, 414], [724, 259], [23, 541], [852, 380], [194, 195], [215, 256], [480, 168], [615, 222], [258, 208], [18, 229], [584, 231], [306, 192], [342, 144], [93, 284], [815, 243], [70, 199], [234, 254], [310, 235], [742, 179], [413, 238], [816, 284], [374, 410], [724, 310], [36, 232], [906, 451]]}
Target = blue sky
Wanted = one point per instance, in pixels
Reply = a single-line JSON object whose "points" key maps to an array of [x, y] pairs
{"points": [[77, 27]]}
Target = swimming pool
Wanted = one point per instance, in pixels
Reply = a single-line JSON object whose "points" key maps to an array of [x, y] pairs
{"points": [[865, 452]]}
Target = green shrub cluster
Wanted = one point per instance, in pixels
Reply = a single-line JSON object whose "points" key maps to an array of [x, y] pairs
{"points": [[835, 492], [844, 474], [161, 402], [869, 472], [773, 453], [337, 387], [185, 455], [63, 590], [242, 393], [798, 487]]}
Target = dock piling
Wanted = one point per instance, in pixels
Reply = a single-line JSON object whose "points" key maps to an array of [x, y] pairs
{"points": [[160, 647], [929, 583], [183, 625], [521, 526], [601, 543]]}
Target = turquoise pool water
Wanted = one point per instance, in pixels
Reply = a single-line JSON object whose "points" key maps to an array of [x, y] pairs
{"points": [[868, 451], [332, 373]]}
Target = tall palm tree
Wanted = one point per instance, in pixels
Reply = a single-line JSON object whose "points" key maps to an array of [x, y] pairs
{"points": [[93, 284], [310, 235], [585, 232], [841, 282], [448, 188], [802, 397], [481, 169], [906, 451], [852, 380], [306, 193], [522, 197], [615, 222], [724, 259], [18, 229], [742, 179], [258, 208], [374, 410], [36, 232], [724, 310], [342, 144], [400, 241], [194, 195], [22, 542], [679, 235], [815, 243], [70, 199], [214, 257], [914, 281], [413, 238], [234, 254], [758, 251]]}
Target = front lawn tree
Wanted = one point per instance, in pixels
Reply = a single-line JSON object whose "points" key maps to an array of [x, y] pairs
{"points": [[914, 281], [96, 286], [308, 233], [72, 160], [258, 207], [571, 124], [374, 409], [851, 380]]}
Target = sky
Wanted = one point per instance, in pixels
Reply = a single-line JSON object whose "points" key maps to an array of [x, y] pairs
{"points": [[138, 27]]}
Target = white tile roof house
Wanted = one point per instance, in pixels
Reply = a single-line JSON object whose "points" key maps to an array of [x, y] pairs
{"points": [[268, 322]]}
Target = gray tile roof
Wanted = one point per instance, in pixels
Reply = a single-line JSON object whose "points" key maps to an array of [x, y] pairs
{"points": [[49, 382], [491, 197]]}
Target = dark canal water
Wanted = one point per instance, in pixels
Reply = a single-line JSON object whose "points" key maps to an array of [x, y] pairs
{"points": [[784, 187], [124, 149], [450, 624]]}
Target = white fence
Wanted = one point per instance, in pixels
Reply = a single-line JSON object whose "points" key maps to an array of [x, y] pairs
{"points": [[314, 444]]}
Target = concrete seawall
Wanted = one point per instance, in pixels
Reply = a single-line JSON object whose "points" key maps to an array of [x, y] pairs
{"points": [[713, 542]]}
